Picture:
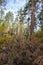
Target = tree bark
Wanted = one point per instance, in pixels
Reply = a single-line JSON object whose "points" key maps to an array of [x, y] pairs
{"points": [[32, 18]]}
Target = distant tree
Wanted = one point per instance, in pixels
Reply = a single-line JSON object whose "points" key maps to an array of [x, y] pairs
{"points": [[21, 20], [1, 13], [2, 2], [9, 18], [2, 5]]}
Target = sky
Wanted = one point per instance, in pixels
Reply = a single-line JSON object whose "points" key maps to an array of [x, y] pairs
{"points": [[14, 5]]}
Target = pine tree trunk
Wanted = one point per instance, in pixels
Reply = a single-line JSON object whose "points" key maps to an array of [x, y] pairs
{"points": [[32, 18]]}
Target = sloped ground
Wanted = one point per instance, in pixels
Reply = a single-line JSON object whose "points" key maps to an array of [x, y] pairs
{"points": [[18, 53]]}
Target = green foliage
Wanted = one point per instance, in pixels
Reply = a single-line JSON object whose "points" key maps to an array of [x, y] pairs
{"points": [[1, 20], [9, 16], [39, 35], [1, 39], [38, 32], [7, 37], [1, 28], [41, 40], [42, 27]]}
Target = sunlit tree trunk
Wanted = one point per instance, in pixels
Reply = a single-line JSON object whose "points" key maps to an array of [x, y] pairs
{"points": [[28, 26], [20, 29]]}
